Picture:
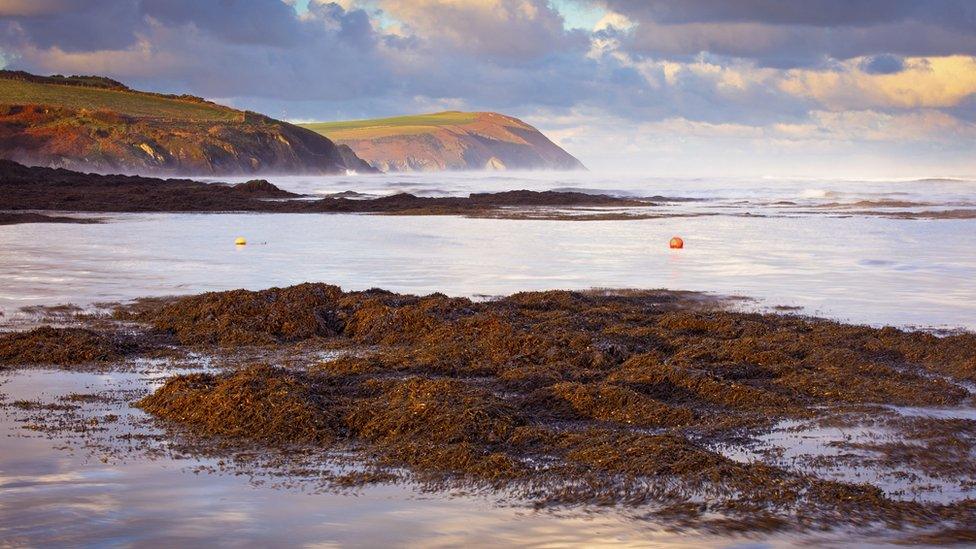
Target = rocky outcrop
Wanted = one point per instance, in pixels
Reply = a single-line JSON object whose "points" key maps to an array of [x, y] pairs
{"points": [[31, 189], [352, 162], [450, 141], [95, 124]]}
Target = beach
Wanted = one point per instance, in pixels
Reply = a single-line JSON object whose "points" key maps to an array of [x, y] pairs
{"points": [[744, 363]]}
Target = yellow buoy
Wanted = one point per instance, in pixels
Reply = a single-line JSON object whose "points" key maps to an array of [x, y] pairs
{"points": [[240, 241]]}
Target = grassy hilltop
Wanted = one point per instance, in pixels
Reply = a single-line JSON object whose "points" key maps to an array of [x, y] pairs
{"points": [[352, 129], [98, 124], [449, 140], [120, 101]]}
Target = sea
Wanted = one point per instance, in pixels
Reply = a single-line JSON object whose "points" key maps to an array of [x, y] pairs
{"points": [[880, 252]]}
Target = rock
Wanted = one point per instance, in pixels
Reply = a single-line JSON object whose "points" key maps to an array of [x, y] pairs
{"points": [[449, 141], [96, 124]]}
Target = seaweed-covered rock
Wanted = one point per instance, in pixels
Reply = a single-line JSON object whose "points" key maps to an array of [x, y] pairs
{"points": [[242, 317], [259, 402], [61, 346]]}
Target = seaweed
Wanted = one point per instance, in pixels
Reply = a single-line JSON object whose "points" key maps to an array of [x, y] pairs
{"points": [[62, 346], [564, 398]]}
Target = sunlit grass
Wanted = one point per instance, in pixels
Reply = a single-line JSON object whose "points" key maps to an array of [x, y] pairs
{"points": [[18, 92], [383, 127]]}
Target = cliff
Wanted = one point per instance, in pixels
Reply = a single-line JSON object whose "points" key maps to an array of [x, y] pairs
{"points": [[97, 124], [449, 141]]}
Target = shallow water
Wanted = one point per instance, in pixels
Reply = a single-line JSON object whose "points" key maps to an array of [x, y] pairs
{"points": [[825, 452], [828, 260], [56, 491], [822, 253]]}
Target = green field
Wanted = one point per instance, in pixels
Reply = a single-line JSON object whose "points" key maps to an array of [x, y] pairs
{"points": [[397, 125], [17, 92]]}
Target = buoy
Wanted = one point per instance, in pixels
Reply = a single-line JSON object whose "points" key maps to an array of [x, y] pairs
{"points": [[240, 241], [677, 243]]}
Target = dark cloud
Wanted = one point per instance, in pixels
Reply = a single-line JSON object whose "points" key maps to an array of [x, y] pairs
{"points": [[883, 64], [222, 48], [820, 13], [794, 33], [965, 110], [21, 8], [75, 26], [232, 21]]}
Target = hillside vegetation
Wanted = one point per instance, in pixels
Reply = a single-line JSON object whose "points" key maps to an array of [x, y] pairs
{"points": [[450, 140], [98, 124], [124, 102], [405, 123]]}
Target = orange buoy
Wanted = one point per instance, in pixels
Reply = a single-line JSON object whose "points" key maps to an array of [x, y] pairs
{"points": [[677, 243]]}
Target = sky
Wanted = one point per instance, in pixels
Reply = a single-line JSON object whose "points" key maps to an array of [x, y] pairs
{"points": [[791, 88]]}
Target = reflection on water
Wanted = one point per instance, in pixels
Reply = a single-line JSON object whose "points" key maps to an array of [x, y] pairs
{"points": [[833, 453], [53, 491], [63, 486]]}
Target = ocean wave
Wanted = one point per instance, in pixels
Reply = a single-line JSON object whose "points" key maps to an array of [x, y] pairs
{"points": [[882, 203], [819, 193]]}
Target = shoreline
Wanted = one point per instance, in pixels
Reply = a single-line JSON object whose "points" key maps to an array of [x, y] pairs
{"points": [[26, 193], [559, 399], [37, 189], [17, 218]]}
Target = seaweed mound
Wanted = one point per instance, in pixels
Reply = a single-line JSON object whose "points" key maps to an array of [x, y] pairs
{"points": [[608, 402], [259, 402], [243, 317], [576, 397], [647, 455], [61, 346], [439, 426], [434, 410]]}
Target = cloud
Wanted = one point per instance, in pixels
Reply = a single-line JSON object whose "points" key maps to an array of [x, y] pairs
{"points": [[70, 25], [724, 77], [789, 34], [505, 50], [263, 50], [522, 29], [818, 13], [882, 64], [613, 20], [27, 8], [855, 144], [231, 21], [922, 83]]}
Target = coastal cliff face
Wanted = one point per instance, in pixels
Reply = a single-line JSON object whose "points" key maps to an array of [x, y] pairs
{"points": [[98, 124], [449, 141]]}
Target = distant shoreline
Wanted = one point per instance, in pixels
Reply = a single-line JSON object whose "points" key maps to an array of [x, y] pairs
{"points": [[10, 218], [35, 189]]}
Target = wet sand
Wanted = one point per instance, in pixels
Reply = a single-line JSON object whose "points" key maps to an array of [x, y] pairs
{"points": [[661, 404]]}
